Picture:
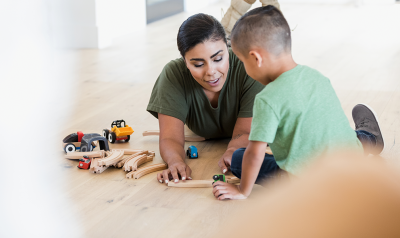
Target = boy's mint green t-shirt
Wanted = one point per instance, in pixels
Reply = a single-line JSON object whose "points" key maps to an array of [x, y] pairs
{"points": [[300, 117]]}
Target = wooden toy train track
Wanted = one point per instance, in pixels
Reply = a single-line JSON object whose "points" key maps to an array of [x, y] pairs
{"points": [[146, 170]]}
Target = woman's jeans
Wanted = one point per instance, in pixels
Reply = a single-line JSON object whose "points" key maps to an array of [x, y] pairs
{"points": [[270, 168]]}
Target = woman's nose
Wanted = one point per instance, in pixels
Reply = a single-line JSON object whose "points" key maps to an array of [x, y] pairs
{"points": [[210, 71]]}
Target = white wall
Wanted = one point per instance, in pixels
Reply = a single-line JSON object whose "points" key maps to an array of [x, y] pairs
{"points": [[94, 23], [32, 201], [358, 2], [194, 5]]}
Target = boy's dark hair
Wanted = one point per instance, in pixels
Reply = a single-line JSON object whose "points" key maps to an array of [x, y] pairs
{"points": [[264, 27], [198, 29]]}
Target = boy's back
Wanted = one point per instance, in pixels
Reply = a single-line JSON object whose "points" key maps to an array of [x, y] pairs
{"points": [[301, 118]]}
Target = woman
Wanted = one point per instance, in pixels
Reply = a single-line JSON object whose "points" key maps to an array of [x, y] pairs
{"points": [[208, 90]]}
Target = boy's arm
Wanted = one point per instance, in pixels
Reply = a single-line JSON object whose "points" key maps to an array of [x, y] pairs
{"points": [[252, 160]]}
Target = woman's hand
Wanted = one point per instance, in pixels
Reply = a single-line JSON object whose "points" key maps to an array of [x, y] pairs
{"points": [[240, 139], [225, 162], [223, 191], [173, 172]]}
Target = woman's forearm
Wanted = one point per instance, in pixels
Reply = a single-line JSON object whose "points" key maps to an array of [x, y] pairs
{"points": [[238, 141], [172, 151]]}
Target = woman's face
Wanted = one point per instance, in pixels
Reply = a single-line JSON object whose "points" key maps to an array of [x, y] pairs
{"points": [[209, 63]]}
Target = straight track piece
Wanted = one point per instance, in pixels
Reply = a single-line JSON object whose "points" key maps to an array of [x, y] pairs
{"points": [[79, 155], [130, 151], [191, 184]]}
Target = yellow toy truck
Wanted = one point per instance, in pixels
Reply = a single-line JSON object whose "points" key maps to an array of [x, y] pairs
{"points": [[120, 131]]}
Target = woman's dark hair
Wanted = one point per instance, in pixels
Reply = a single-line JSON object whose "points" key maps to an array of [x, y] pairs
{"points": [[198, 29]]}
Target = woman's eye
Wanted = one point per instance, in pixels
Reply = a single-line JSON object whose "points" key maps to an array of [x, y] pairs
{"points": [[198, 65], [218, 60]]}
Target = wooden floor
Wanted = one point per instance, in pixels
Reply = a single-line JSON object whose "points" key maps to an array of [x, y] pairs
{"points": [[358, 48]]}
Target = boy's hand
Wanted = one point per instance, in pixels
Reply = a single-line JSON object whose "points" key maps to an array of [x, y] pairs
{"points": [[223, 191], [225, 162]]}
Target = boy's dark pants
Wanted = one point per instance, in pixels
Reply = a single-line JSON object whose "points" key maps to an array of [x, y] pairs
{"points": [[270, 168]]}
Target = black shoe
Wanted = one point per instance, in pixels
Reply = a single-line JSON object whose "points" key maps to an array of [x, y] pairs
{"points": [[365, 119]]}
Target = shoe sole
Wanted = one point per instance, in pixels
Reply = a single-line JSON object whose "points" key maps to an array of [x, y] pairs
{"points": [[377, 121]]}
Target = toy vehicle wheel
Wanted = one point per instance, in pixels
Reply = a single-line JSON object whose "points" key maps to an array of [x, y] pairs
{"points": [[112, 137], [105, 133], [68, 148], [84, 148], [129, 137], [187, 153]]}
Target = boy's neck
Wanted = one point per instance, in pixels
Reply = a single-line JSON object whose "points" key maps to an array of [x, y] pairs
{"points": [[279, 66]]}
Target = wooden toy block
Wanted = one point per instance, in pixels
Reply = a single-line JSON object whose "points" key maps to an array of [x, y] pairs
{"points": [[188, 138], [112, 159], [146, 170], [79, 155], [192, 184]]}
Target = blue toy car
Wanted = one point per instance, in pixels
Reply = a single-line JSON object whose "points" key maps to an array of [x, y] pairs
{"points": [[192, 152]]}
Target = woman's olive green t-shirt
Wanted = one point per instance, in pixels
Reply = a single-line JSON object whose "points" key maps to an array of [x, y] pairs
{"points": [[176, 93]]}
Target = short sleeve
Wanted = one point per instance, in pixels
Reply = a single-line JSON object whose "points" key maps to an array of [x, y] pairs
{"points": [[265, 122], [250, 89], [168, 95]]}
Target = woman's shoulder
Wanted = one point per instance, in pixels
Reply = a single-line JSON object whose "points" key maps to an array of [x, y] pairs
{"points": [[175, 70], [175, 65]]}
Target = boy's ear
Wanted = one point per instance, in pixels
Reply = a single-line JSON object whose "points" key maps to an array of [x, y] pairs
{"points": [[254, 55]]}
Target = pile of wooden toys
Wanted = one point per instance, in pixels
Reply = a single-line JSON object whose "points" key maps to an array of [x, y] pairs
{"points": [[98, 161]]}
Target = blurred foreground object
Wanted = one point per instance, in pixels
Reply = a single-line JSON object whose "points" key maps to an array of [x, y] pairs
{"points": [[341, 197]]}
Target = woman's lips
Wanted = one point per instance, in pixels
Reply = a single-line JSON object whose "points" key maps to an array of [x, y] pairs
{"points": [[214, 82]]}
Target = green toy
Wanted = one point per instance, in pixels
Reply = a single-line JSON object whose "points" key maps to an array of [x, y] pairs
{"points": [[219, 177]]}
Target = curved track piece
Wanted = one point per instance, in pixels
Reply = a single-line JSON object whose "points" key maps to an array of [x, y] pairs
{"points": [[112, 159], [129, 165], [146, 170], [126, 159]]}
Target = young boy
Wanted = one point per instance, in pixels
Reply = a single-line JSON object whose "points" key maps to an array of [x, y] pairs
{"points": [[298, 113]]}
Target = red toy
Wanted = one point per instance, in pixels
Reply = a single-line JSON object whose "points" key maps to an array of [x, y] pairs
{"points": [[84, 163]]}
